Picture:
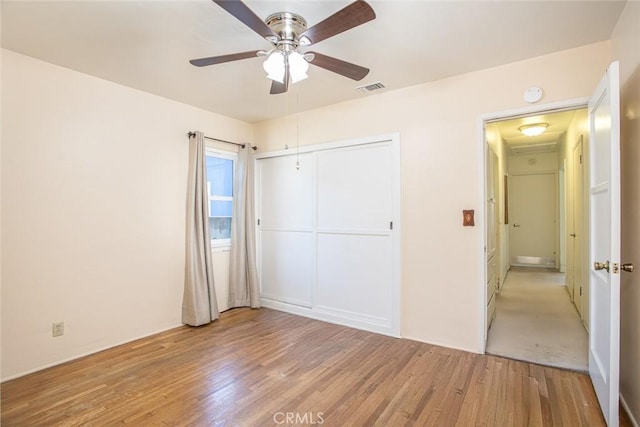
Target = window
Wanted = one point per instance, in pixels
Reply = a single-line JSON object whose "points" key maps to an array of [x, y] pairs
{"points": [[220, 169]]}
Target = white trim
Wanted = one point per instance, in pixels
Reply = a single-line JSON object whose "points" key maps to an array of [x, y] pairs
{"points": [[393, 324], [394, 138], [88, 353], [332, 316], [627, 409], [443, 344], [570, 104], [220, 245], [218, 152], [290, 230]]}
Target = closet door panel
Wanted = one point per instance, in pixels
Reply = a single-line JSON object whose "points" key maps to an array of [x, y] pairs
{"points": [[287, 192], [354, 275], [287, 266], [354, 188]]}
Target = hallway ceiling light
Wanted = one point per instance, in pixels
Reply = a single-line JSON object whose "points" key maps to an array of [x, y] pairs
{"points": [[534, 129]]}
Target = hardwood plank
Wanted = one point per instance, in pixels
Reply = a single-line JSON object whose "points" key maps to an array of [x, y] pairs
{"points": [[253, 365]]}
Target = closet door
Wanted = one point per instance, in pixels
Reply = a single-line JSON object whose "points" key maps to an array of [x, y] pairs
{"points": [[285, 236], [354, 250], [328, 237]]}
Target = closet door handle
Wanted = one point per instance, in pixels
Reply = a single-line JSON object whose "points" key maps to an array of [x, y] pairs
{"points": [[516, 225]]}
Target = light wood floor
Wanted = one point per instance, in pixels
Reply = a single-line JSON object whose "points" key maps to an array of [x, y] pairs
{"points": [[263, 367]]}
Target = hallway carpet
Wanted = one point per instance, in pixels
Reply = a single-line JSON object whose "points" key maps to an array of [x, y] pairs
{"points": [[536, 321]]}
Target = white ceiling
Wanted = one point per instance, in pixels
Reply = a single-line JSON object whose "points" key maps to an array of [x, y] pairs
{"points": [[147, 44]]}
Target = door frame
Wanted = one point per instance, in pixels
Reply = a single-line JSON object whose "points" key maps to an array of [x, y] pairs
{"points": [[571, 104]]}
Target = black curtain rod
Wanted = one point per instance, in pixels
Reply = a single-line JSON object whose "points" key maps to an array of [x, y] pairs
{"points": [[190, 134]]}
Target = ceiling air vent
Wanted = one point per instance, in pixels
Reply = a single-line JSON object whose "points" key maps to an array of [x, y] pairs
{"points": [[370, 87]]}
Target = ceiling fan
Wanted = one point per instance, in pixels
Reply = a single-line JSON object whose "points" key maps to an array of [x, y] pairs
{"points": [[287, 32]]}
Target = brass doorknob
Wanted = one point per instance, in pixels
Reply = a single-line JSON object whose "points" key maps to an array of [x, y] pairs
{"points": [[601, 266], [627, 267]]}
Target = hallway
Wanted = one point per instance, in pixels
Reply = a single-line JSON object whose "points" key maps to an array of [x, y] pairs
{"points": [[536, 322]]}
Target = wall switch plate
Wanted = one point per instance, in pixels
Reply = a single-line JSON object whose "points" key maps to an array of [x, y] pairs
{"points": [[57, 329], [467, 218]]}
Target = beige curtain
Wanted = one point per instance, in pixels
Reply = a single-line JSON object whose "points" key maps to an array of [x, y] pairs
{"points": [[199, 305], [243, 277]]}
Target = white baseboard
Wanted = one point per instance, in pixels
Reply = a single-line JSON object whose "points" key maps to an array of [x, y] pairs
{"points": [[338, 317], [81, 355], [445, 345], [630, 414]]}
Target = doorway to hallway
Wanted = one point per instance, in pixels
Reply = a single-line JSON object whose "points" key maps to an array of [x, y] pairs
{"points": [[536, 312]]}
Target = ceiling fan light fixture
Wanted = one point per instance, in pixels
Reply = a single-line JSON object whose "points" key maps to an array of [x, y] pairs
{"points": [[275, 67], [298, 67], [533, 129]]}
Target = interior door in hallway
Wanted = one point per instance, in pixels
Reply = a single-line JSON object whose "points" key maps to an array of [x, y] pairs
{"points": [[532, 212], [576, 234], [492, 238]]}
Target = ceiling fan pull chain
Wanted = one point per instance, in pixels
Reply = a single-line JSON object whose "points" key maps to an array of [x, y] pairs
{"points": [[298, 128]]}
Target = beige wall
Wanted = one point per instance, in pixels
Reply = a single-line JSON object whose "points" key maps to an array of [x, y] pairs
{"points": [[93, 199], [625, 47], [442, 174]]}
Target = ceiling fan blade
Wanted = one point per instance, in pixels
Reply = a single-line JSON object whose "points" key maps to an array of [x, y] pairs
{"points": [[212, 60], [357, 13], [245, 15], [277, 87], [339, 66]]}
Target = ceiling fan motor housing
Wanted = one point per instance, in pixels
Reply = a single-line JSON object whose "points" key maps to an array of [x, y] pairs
{"points": [[288, 26]]}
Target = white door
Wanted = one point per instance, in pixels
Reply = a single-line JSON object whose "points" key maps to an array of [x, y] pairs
{"points": [[354, 233], [576, 229], [604, 234], [532, 211], [492, 252], [285, 230]]}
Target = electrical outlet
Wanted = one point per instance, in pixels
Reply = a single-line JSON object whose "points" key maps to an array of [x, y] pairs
{"points": [[57, 329]]}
